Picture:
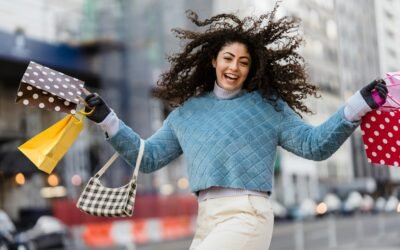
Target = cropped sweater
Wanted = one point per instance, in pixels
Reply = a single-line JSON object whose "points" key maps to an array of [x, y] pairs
{"points": [[232, 143]]}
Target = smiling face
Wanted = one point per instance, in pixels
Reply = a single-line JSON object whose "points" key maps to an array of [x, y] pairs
{"points": [[232, 66]]}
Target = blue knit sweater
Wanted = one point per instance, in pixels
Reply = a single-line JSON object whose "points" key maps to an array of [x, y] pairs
{"points": [[232, 143]]}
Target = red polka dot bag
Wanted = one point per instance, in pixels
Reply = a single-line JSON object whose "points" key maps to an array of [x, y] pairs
{"points": [[49, 89], [381, 127]]}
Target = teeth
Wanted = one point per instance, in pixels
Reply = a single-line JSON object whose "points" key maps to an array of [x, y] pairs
{"points": [[231, 76]]}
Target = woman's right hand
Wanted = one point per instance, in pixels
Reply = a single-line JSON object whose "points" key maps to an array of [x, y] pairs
{"points": [[101, 109]]}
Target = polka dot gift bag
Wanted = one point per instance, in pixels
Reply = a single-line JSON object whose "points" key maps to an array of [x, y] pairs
{"points": [[49, 89], [381, 127], [52, 90], [381, 137]]}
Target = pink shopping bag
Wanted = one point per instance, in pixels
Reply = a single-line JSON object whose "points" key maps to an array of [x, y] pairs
{"points": [[380, 128]]}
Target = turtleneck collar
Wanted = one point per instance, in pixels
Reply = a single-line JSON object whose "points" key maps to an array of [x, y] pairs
{"points": [[222, 93]]}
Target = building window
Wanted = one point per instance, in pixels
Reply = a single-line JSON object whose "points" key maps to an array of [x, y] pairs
{"points": [[331, 29], [389, 15], [392, 53], [390, 33]]}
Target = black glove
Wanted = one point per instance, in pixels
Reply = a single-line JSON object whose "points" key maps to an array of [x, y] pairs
{"points": [[366, 92], [101, 110]]}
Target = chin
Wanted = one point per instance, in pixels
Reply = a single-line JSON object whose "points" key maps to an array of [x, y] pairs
{"points": [[231, 87]]}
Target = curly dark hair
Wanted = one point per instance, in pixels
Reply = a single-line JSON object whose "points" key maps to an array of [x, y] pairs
{"points": [[277, 70]]}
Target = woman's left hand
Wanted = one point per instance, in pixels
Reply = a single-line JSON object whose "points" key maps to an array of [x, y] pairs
{"points": [[370, 97], [375, 93]]}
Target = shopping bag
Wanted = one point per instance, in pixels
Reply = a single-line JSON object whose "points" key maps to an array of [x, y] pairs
{"points": [[48, 89], [380, 128], [47, 148], [381, 137], [99, 200], [393, 77], [393, 86]]}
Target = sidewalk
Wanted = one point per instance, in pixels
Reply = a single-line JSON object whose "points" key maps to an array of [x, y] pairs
{"points": [[390, 241], [370, 232]]}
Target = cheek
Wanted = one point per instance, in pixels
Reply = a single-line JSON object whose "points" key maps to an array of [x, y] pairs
{"points": [[246, 72], [218, 70], [217, 74]]}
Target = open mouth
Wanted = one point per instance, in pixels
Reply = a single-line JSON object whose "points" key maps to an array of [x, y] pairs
{"points": [[231, 77]]}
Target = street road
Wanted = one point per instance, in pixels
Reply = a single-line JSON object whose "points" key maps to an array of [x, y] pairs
{"points": [[357, 232], [372, 232]]}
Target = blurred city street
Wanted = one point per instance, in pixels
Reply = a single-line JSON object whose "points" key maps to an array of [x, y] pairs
{"points": [[361, 232]]}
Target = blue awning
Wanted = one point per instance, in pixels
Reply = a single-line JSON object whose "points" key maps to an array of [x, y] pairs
{"points": [[17, 50], [13, 162]]}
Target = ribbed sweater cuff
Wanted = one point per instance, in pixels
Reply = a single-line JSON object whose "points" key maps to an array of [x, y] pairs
{"points": [[110, 125], [356, 107]]}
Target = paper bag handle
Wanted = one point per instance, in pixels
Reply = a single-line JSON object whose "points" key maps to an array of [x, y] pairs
{"points": [[388, 77], [83, 112], [115, 156]]}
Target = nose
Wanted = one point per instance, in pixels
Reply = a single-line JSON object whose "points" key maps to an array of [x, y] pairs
{"points": [[233, 65]]}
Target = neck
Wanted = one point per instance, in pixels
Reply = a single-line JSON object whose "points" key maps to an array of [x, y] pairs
{"points": [[222, 93]]}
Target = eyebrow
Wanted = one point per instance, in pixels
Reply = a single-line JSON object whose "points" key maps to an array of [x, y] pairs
{"points": [[246, 57]]}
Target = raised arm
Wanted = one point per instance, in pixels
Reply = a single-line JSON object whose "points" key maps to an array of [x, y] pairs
{"points": [[320, 142], [160, 149], [314, 142]]}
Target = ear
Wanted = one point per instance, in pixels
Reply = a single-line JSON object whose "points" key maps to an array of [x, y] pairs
{"points": [[214, 63]]}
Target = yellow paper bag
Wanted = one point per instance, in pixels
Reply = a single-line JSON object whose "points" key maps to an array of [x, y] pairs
{"points": [[47, 148]]}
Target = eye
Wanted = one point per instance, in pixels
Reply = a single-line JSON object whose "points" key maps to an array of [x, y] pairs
{"points": [[227, 58], [244, 63]]}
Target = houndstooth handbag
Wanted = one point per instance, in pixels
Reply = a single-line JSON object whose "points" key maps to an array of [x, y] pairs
{"points": [[110, 202]]}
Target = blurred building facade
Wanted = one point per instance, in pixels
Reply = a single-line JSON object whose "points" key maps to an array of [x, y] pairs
{"points": [[36, 30], [359, 64], [347, 43], [388, 35], [127, 43]]}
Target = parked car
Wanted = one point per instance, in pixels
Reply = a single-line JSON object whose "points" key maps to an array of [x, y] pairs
{"points": [[353, 203], [379, 204], [280, 211], [306, 210], [7, 229], [391, 204], [367, 204], [331, 203], [48, 233]]}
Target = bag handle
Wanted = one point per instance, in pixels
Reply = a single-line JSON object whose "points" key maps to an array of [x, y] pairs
{"points": [[115, 156], [393, 99], [389, 78]]}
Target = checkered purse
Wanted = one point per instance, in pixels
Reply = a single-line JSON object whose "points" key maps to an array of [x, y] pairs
{"points": [[103, 201]]}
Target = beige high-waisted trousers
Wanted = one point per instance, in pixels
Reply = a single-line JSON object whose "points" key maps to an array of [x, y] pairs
{"points": [[234, 223]]}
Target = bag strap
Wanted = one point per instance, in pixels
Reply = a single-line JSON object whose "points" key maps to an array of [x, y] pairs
{"points": [[139, 159], [115, 156], [397, 102]]}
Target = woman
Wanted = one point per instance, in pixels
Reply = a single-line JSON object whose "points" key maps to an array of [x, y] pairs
{"points": [[237, 87]]}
